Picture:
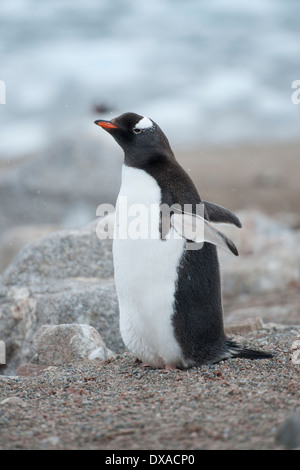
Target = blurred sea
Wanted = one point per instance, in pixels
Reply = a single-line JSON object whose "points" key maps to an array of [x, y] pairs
{"points": [[209, 72]]}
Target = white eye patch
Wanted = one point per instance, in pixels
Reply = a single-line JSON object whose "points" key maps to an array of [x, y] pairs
{"points": [[144, 123]]}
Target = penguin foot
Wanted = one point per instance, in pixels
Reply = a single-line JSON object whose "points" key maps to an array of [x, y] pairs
{"points": [[170, 367], [141, 363]]}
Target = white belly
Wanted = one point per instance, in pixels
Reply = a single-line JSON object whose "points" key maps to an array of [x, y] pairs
{"points": [[145, 274]]}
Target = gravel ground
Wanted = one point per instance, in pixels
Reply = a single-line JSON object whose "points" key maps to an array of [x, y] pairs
{"points": [[236, 404]]}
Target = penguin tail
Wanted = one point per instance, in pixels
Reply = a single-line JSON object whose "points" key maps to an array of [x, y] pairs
{"points": [[239, 351]]}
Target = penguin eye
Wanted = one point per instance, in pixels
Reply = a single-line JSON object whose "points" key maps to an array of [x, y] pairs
{"points": [[137, 130]]}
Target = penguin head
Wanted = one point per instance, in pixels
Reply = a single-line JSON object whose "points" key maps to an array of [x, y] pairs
{"points": [[141, 138]]}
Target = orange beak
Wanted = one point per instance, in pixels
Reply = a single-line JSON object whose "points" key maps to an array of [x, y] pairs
{"points": [[106, 124]]}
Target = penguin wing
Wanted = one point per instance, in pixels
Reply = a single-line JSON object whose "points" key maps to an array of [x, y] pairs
{"points": [[219, 214], [105, 226], [195, 228]]}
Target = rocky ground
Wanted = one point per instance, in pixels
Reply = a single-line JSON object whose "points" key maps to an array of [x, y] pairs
{"points": [[120, 404], [71, 384]]}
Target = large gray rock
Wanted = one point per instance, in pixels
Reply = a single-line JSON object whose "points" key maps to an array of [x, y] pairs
{"points": [[67, 277], [68, 343], [62, 255], [15, 238], [288, 435]]}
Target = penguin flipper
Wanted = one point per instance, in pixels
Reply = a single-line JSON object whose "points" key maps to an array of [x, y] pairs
{"points": [[218, 214], [195, 228]]}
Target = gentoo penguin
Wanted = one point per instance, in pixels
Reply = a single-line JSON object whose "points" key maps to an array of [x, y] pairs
{"points": [[170, 300]]}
